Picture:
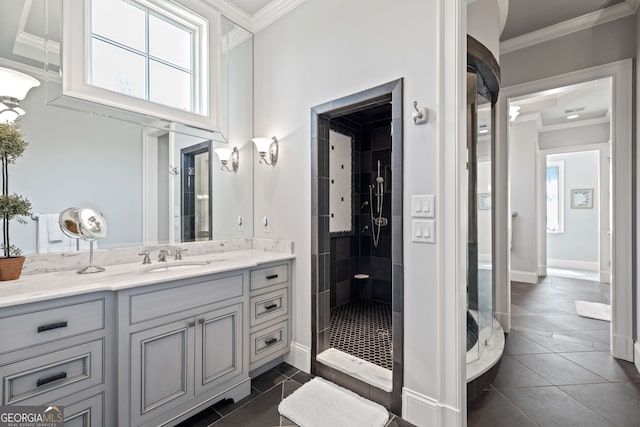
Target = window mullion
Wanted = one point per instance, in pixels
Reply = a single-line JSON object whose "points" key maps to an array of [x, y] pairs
{"points": [[146, 53]]}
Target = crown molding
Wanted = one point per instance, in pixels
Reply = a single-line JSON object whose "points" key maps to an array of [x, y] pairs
{"points": [[589, 20], [261, 19]]}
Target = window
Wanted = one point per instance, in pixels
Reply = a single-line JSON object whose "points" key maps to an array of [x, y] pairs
{"points": [[154, 57], [555, 196]]}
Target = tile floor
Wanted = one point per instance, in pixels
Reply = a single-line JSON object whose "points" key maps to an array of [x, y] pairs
{"points": [[260, 408], [556, 369], [362, 328]]}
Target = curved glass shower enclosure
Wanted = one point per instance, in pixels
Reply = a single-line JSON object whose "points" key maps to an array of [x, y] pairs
{"points": [[483, 74]]}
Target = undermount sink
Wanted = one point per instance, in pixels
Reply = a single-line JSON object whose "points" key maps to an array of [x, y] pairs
{"points": [[173, 267]]}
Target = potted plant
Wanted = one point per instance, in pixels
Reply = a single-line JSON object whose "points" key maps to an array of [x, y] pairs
{"points": [[12, 206]]}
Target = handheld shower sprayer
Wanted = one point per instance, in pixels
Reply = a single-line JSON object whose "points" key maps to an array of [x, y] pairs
{"points": [[379, 221]]}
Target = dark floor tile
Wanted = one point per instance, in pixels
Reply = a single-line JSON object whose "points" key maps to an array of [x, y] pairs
{"points": [[558, 370], [267, 380], [556, 344], [619, 403], [517, 344], [201, 419], [540, 323], [605, 365], [289, 387], [286, 369], [573, 322], [227, 406], [261, 412], [492, 409], [514, 374], [550, 406], [302, 377], [602, 336], [286, 422]]}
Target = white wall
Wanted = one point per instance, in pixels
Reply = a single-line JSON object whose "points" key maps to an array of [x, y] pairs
{"points": [[327, 49], [523, 146], [599, 45], [578, 245], [483, 20]]}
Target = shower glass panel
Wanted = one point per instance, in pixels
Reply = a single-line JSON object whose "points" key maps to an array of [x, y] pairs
{"points": [[480, 219]]}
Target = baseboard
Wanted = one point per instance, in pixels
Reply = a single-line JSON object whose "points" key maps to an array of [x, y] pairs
{"points": [[523, 276], [484, 257], [419, 409], [299, 356], [573, 265], [605, 277], [542, 270], [622, 347], [505, 321], [636, 355]]}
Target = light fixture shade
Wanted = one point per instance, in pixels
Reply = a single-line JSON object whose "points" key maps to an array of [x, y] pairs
{"points": [[14, 84], [223, 153], [10, 115], [262, 144]]}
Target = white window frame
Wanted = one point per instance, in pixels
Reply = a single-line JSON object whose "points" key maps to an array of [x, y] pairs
{"points": [[560, 165], [76, 38]]}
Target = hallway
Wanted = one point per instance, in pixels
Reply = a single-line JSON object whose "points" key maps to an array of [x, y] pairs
{"points": [[556, 369]]}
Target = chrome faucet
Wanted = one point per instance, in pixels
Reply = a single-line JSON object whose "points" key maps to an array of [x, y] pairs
{"points": [[178, 253], [162, 255], [146, 259]]}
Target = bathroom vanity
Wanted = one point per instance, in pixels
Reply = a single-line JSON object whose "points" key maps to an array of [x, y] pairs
{"points": [[144, 345]]}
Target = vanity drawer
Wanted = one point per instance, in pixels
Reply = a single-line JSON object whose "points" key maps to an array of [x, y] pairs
{"points": [[152, 304], [269, 342], [269, 306], [49, 377], [38, 327], [269, 276]]}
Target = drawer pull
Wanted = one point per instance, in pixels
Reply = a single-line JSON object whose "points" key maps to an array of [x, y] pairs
{"points": [[56, 377], [271, 341], [272, 276], [52, 326], [270, 307]]}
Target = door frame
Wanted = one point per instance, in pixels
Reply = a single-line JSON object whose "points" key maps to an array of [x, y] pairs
{"points": [[621, 189]]}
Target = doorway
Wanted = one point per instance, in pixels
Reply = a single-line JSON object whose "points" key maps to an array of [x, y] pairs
{"points": [[619, 74], [195, 193], [369, 272]]}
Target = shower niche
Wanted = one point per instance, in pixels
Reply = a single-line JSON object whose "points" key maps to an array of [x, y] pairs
{"points": [[357, 280]]}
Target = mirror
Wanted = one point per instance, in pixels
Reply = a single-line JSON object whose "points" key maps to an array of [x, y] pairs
{"points": [[86, 224], [129, 168]]}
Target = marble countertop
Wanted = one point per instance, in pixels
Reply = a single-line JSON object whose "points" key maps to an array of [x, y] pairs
{"points": [[44, 286]]}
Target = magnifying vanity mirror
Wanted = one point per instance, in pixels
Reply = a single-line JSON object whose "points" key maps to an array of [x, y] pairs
{"points": [[130, 169], [86, 224]]}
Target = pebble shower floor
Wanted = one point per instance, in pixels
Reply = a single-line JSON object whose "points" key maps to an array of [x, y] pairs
{"points": [[362, 328]]}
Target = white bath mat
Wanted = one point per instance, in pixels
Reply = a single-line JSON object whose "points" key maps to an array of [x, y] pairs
{"points": [[320, 403], [593, 310]]}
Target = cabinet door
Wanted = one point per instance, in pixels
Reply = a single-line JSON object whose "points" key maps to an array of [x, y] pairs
{"points": [[219, 347], [161, 369]]}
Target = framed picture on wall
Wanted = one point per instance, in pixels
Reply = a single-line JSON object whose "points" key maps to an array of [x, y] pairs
{"points": [[581, 198], [484, 201]]}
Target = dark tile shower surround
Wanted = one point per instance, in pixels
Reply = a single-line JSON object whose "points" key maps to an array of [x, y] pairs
{"points": [[321, 289]]}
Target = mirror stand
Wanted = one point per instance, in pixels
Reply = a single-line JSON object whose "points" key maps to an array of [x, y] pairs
{"points": [[91, 268]]}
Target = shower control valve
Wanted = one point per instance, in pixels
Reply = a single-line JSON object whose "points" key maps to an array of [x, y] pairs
{"points": [[381, 221]]}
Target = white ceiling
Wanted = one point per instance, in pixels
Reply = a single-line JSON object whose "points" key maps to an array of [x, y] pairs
{"points": [[250, 6], [526, 16]]}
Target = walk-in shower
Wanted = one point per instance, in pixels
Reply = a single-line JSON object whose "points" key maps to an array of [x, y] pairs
{"points": [[358, 291]]}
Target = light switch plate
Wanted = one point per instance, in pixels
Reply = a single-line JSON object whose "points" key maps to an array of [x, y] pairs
{"points": [[423, 231], [423, 206]]}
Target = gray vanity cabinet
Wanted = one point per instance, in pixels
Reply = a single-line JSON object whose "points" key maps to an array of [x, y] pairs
{"points": [[181, 344], [61, 352]]}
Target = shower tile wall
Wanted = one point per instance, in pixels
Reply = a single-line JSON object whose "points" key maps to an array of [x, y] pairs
{"points": [[372, 142]]}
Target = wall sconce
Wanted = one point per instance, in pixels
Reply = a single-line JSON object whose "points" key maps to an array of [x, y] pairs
{"points": [[228, 155], [14, 86], [267, 146]]}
